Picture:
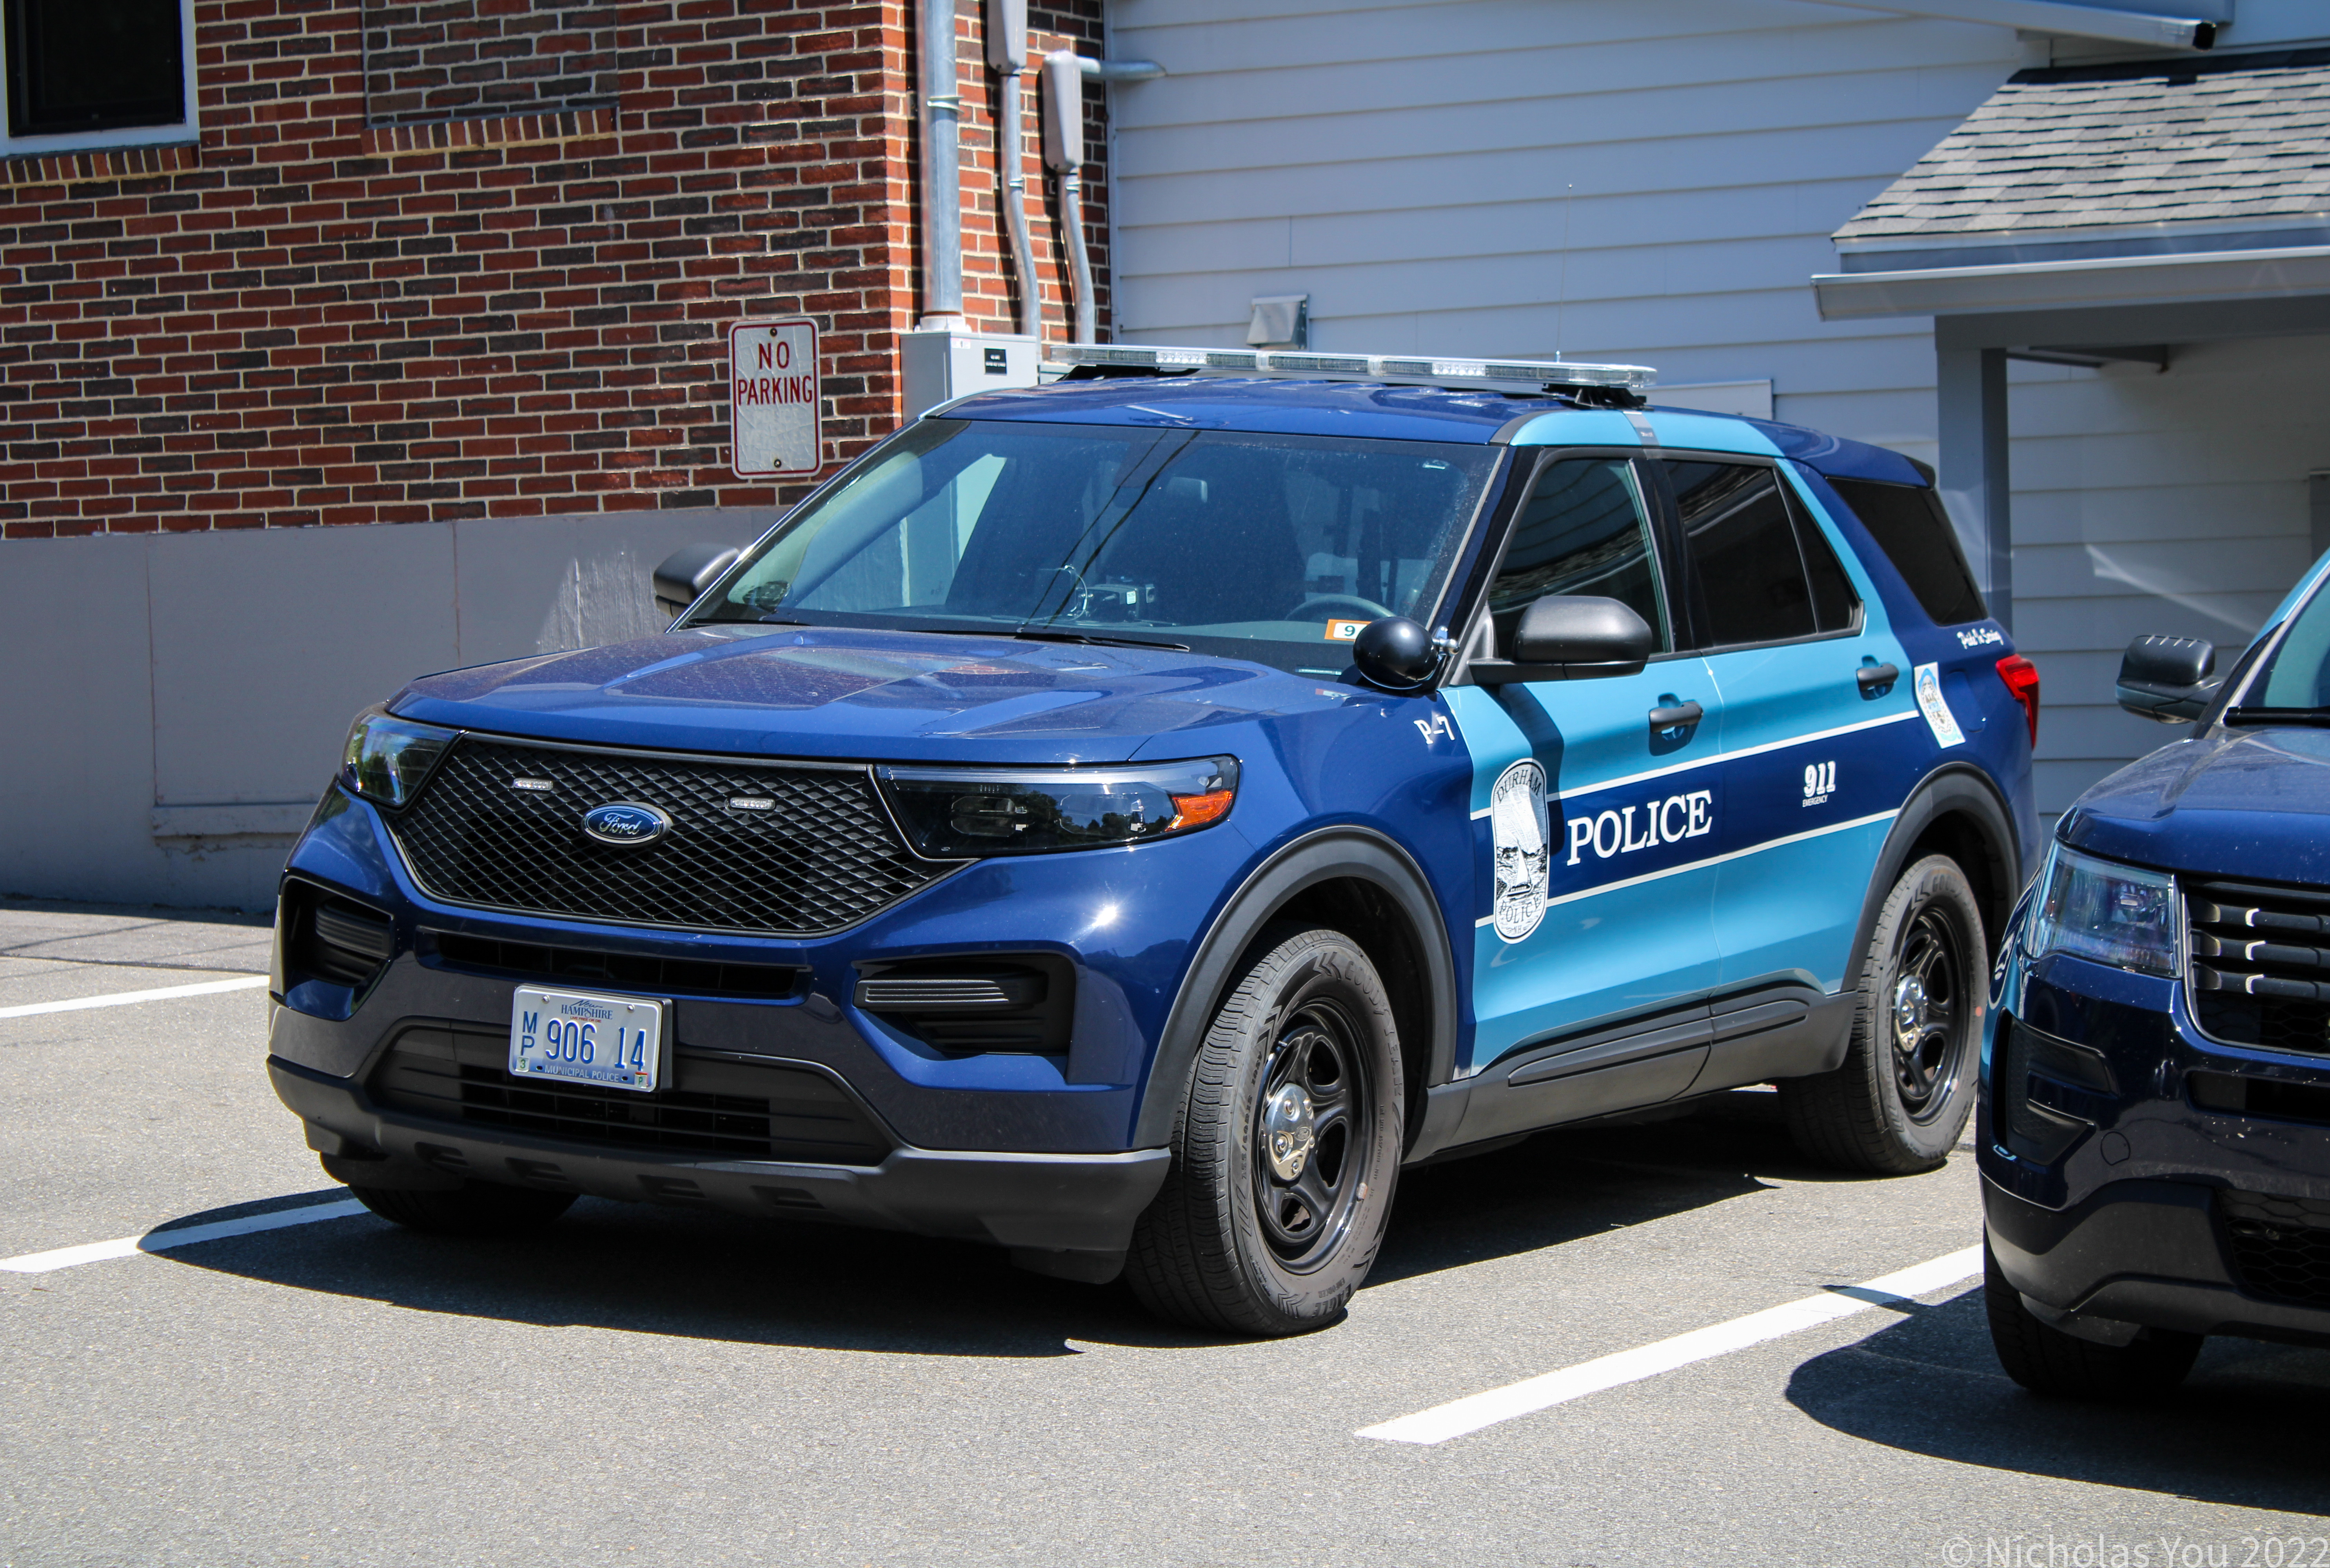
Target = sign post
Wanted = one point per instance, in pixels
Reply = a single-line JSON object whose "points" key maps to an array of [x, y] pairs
{"points": [[772, 398]]}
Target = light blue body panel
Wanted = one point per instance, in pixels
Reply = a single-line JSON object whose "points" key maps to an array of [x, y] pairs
{"points": [[1628, 921]]}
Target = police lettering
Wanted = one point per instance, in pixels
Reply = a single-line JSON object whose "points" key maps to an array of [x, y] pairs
{"points": [[1678, 817]]}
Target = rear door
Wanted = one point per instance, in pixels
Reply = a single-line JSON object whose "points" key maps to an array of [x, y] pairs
{"points": [[1590, 819], [1817, 706]]}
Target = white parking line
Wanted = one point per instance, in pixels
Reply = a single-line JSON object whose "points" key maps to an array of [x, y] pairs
{"points": [[124, 998], [1458, 1417], [185, 1236]]}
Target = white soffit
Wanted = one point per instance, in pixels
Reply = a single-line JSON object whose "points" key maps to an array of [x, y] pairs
{"points": [[2071, 20], [2047, 284]]}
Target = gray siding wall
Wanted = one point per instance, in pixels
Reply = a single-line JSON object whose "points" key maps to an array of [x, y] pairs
{"points": [[176, 703]]}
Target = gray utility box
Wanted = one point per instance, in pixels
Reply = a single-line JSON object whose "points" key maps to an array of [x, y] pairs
{"points": [[940, 366]]}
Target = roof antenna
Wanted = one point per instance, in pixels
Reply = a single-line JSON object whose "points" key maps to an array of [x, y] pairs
{"points": [[1561, 294]]}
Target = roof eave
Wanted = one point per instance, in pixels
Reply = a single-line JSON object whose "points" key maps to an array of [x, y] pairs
{"points": [[2280, 272]]}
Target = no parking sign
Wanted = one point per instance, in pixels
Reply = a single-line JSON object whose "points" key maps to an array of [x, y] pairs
{"points": [[772, 398]]}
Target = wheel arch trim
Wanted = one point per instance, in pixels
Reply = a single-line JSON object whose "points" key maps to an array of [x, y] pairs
{"points": [[1953, 788], [1329, 854]]}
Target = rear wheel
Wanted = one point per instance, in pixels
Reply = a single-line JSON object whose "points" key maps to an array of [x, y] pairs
{"points": [[2045, 1360], [1287, 1150], [1900, 1100], [473, 1209]]}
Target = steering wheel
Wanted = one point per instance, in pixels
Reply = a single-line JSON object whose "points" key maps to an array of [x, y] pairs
{"points": [[1313, 601]]}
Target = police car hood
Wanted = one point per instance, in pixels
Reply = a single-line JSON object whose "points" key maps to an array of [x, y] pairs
{"points": [[826, 691], [2246, 803]]}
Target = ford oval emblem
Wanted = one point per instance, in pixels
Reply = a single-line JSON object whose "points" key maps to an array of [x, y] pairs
{"points": [[625, 823]]}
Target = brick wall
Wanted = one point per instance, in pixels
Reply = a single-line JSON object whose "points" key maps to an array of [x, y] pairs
{"points": [[491, 291]]}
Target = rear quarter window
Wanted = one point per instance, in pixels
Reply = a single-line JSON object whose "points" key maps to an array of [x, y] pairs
{"points": [[1909, 525]]}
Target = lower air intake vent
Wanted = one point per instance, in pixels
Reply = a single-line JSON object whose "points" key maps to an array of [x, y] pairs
{"points": [[625, 971], [331, 938], [2261, 965], [716, 1106], [2280, 1246], [1017, 1002]]}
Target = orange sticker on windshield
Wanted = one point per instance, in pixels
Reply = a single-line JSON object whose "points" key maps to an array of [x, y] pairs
{"points": [[1344, 630]]}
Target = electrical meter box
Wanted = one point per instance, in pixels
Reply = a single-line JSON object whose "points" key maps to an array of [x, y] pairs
{"points": [[943, 365]]}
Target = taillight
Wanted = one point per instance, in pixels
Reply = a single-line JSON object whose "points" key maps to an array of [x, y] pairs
{"points": [[2021, 678]]}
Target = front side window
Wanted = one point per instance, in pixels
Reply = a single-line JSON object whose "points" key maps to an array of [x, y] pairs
{"points": [[1269, 547], [2297, 673], [77, 67], [1584, 530]]}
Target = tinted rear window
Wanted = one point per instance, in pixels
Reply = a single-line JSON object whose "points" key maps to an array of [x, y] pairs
{"points": [[1910, 526]]}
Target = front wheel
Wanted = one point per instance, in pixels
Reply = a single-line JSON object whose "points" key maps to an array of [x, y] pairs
{"points": [[1286, 1151], [1901, 1099]]}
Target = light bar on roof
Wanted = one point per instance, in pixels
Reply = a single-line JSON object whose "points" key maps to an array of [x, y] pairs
{"points": [[1410, 370]]}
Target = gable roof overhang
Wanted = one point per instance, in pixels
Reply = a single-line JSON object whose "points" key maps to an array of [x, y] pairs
{"points": [[2154, 183]]}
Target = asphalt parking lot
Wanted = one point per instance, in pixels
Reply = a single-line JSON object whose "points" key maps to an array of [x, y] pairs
{"points": [[644, 1385]]}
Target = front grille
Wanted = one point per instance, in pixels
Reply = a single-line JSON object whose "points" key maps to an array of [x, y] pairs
{"points": [[2280, 1246], [812, 852], [715, 1106], [626, 971], [2260, 971]]}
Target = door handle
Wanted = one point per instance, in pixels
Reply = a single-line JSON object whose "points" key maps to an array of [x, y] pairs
{"points": [[1869, 677], [1677, 718]]}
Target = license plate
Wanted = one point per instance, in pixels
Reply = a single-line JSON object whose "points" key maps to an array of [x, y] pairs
{"points": [[588, 1037]]}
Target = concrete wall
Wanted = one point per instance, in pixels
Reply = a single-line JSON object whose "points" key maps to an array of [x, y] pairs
{"points": [[174, 702]]}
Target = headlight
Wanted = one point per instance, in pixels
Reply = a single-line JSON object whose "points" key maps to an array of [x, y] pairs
{"points": [[387, 758], [960, 813], [2112, 915]]}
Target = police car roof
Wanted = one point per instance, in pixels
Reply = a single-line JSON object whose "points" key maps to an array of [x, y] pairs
{"points": [[1373, 410]]}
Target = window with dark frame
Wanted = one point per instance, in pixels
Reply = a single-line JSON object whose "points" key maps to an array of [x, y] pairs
{"points": [[94, 65]]}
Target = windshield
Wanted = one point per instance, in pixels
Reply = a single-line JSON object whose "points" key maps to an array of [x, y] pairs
{"points": [[1269, 547], [2296, 674]]}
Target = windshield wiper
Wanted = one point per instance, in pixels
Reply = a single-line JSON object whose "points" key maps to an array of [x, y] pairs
{"points": [[1098, 641], [2319, 717]]}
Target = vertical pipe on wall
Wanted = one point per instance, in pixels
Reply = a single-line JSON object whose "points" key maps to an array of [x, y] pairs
{"points": [[1064, 152], [941, 171], [1006, 52]]}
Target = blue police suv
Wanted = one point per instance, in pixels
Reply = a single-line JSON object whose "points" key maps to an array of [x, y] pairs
{"points": [[1126, 821], [2155, 1138]]}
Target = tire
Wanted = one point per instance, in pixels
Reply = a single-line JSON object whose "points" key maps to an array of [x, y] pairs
{"points": [[2047, 1361], [1900, 1100], [474, 1209], [1258, 1231]]}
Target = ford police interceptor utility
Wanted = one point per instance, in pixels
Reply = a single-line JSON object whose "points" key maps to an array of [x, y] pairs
{"points": [[1126, 821]]}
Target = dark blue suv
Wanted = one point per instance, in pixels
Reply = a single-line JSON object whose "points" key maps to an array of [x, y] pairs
{"points": [[2155, 1126], [1127, 821]]}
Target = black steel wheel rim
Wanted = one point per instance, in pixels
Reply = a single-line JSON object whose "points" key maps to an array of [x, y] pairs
{"points": [[1929, 1013], [1307, 1189]]}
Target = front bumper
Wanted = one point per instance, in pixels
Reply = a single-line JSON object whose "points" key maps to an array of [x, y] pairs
{"points": [[2150, 1252], [2116, 1185], [1067, 1213]]}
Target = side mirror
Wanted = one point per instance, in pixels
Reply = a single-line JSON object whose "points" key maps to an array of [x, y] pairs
{"points": [[1568, 636], [2168, 678], [1395, 654], [687, 571]]}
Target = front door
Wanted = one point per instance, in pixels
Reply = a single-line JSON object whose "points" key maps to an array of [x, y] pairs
{"points": [[1594, 817]]}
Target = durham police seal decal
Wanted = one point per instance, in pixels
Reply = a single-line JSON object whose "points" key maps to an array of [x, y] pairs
{"points": [[1518, 829]]}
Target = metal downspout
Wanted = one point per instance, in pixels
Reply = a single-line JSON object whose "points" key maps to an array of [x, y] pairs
{"points": [[942, 172], [1064, 150], [1006, 52]]}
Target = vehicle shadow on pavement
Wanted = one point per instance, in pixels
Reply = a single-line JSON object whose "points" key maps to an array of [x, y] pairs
{"points": [[2245, 1430], [1571, 1182], [714, 1276]]}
